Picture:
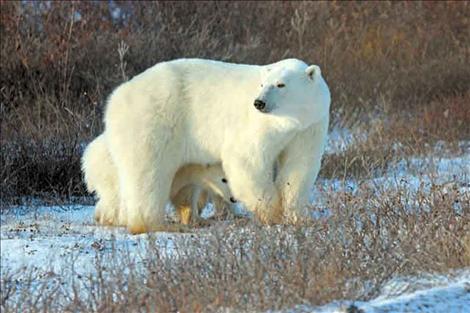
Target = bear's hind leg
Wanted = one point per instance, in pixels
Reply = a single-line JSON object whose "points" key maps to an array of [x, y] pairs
{"points": [[145, 182], [106, 213]]}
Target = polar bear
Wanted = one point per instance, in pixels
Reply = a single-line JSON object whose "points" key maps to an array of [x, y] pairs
{"points": [[191, 189], [195, 186], [207, 112]]}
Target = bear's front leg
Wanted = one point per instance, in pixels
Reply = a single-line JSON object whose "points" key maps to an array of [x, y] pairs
{"points": [[299, 165], [186, 204], [251, 182]]}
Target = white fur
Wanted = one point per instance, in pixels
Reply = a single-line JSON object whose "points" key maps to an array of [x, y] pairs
{"points": [[202, 112], [194, 186], [190, 190], [101, 178]]}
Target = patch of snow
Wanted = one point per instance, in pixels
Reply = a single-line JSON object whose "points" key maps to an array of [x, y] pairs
{"points": [[66, 241], [340, 139], [48, 238], [428, 294]]}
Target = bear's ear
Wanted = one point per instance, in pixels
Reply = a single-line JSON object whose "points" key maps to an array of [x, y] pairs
{"points": [[312, 71]]}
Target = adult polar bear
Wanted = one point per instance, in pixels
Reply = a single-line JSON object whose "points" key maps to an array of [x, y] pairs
{"points": [[247, 117]]}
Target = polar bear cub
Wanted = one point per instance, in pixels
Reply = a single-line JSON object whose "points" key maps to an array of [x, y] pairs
{"points": [[192, 187]]}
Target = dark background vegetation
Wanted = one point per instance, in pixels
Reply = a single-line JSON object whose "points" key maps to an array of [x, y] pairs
{"points": [[407, 62]]}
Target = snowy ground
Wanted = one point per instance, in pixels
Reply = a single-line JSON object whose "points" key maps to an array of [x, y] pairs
{"points": [[424, 294], [48, 239]]}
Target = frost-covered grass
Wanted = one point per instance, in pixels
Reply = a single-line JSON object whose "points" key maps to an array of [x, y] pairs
{"points": [[389, 205], [369, 245], [425, 293]]}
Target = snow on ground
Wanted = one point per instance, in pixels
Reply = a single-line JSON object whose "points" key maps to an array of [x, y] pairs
{"points": [[48, 238], [339, 139], [66, 240], [412, 175], [425, 294]]}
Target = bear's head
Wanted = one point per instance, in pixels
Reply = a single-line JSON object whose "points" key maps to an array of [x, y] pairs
{"points": [[292, 89], [214, 179]]}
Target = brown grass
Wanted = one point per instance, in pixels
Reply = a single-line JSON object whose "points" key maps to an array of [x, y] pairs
{"points": [[372, 235], [383, 138], [384, 61]]}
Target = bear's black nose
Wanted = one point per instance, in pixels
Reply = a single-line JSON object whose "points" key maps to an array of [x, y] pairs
{"points": [[232, 199], [260, 105]]}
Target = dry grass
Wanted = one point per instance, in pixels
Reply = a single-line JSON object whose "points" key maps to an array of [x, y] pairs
{"points": [[384, 138], [61, 60], [373, 234]]}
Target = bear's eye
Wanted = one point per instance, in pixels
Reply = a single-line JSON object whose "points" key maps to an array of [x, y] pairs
{"points": [[281, 85], [224, 180], [261, 85]]}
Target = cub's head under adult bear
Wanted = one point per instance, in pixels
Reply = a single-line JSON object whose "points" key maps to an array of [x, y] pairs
{"points": [[213, 179], [293, 89], [210, 177]]}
